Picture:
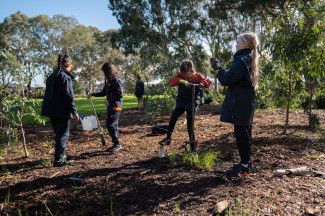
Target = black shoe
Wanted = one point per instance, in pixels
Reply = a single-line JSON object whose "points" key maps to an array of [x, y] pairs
{"points": [[165, 141], [239, 169], [60, 163], [114, 148], [69, 157]]}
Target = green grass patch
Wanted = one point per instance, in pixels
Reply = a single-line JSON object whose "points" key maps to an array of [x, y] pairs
{"points": [[84, 106], [203, 160]]}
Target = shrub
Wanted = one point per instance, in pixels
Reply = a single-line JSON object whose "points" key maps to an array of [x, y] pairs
{"points": [[314, 123], [320, 100], [158, 106]]}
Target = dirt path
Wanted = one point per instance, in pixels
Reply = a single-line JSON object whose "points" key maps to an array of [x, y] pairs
{"points": [[135, 182]]}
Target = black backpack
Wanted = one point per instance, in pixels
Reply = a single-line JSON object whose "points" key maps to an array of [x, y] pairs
{"points": [[159, 130]]}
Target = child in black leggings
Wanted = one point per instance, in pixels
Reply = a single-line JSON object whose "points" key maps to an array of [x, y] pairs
{"points": [[183, 80]]}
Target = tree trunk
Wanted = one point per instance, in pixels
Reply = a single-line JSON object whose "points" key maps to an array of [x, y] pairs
{"points": [[288, 104], [24, 138], [310, 107], [216, 85]]}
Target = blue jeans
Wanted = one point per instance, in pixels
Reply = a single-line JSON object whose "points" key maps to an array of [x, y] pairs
{"points": [[61, 127], [112, 121]]}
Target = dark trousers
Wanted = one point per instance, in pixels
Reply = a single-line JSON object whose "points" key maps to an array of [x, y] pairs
{"points": [[112, 121], [243, 136], [178, 111], [61, 127]]}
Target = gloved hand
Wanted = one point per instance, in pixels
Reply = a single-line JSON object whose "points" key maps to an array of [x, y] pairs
{"points": [[183, 82], [215, 64]]}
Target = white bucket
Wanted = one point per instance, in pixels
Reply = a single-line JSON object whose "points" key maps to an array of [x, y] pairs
{"points": [[93, 121], [161, 152], [87, 124]]}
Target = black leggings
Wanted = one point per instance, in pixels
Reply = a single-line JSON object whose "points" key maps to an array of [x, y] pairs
{"points": [[178, 111], [244, 142]]}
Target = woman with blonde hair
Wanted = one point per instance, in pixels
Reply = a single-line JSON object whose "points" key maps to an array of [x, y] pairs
{"points": [[238, 106]]}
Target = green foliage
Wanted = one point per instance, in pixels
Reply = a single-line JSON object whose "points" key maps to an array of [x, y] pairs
{"points": [[13, 110], [320, 100], [83, 106], [172, 159], [157, 106], [218, 97], [314, 122], [8, 197], [203, 160]]}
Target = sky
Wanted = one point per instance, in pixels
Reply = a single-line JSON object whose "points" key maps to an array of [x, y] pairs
{"points": [[87, 12]]}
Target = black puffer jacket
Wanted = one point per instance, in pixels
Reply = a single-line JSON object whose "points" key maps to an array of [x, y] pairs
{"points": [[58, 98], [238, 106], [113, 91]]}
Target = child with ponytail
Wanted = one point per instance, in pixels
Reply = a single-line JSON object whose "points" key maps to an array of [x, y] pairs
{"points": [[58, 105], [238, 105]]}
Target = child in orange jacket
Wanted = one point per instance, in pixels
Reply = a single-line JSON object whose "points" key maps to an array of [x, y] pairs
{"points": [[183, 80]]}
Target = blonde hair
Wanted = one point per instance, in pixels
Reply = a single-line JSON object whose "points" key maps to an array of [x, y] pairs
{"points": [[251, 41]]}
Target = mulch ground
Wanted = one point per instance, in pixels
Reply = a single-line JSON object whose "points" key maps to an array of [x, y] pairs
{"points": [[134, 181]]}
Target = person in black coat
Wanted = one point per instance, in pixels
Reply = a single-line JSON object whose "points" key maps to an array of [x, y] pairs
{"points": [[139, 92], [239, 102], [58, 105], [113, 91]]}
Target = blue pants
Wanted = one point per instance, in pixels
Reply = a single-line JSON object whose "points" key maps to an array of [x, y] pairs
{"points": [[112, 121], [61, 127]]}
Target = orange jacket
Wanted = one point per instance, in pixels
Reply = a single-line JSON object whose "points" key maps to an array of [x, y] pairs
{"points": [[194, 77]]}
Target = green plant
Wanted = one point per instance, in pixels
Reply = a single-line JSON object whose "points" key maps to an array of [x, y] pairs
{"points": [[48, 161], [110, 205], [177, 208], [172, 159], [203, 160], [207, 159], [76, 188], [218, 97], [320, 100], [5, 171], [191, 159], [8, 197], [314, 123], [157, 106]]}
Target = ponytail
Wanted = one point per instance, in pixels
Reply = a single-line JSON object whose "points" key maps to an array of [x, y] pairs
{"points": [[63, 60], [251, 41], [255, 69]]}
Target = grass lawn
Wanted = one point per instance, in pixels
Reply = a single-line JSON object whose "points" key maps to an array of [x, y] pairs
{"points": [[84, 106]]}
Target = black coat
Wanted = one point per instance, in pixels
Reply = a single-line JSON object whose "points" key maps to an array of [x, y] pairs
{"points": [[139, 89], [58, 98], [238, 106], [113, 91]]}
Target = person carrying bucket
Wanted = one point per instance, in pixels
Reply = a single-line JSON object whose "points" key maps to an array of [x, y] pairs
{"points": [[186, 80], [114, 94], [58, 105]]}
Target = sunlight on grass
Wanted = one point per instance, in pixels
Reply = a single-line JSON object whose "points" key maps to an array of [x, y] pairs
{"points": [[84, 106]]}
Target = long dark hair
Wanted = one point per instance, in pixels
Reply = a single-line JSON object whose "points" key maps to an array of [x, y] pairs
{"points": [[186, 66], [109, 70], [63, 60]]}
